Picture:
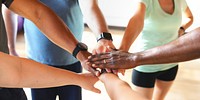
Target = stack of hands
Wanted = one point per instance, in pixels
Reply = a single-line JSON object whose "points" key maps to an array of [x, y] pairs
{"points": [[107, 65]]}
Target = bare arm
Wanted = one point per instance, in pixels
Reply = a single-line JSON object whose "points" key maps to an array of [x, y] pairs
{"points": [[188, 23], [50, 25], [95, 20], [22, 72], [134, 27], [93, 16], [47, 21], [183, 49], [118, 89], [11, 27]]}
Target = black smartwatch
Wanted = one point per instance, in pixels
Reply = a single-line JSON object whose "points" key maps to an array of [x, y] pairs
{"points": [[79, 47], [105, 35]]}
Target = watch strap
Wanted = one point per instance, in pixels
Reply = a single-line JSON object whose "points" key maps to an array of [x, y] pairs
{"points": [[105, 35], [79, 47], [75, 51]]}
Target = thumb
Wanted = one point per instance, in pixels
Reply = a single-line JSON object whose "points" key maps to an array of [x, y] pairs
{"points": [[111, 49], [94, 52], [96, 90]]}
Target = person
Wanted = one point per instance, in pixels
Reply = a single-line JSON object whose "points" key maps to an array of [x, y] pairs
{"points": [[50, 25], [71, 13], [185, 48], [155, 22], [21, 72]]}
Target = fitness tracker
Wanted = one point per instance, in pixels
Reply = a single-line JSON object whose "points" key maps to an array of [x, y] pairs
{"points": [[105, 35], [79, 47]]}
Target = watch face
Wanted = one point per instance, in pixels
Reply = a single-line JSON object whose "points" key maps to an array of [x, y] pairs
{"points": [[105, 35]]}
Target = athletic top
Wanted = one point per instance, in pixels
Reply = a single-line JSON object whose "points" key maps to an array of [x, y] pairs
{"points": [[40, 48], [159, 28]]}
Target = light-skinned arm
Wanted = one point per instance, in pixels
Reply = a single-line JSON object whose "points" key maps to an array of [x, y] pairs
{"points": [[22, 72], [51, 25], [118, 89], [96, 22], [11, 27], [188, 23], [134, 27]]}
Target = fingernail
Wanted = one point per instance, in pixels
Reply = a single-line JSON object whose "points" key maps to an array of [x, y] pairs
{"points": [[87, 63], [93, 65]]}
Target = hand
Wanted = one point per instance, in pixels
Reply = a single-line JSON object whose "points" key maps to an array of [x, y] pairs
{"points": [[113, 60], [89, 81], [101, 47], [83, 59]]}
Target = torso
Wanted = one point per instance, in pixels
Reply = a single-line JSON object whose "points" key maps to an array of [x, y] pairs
{"points": [[167, 6]]}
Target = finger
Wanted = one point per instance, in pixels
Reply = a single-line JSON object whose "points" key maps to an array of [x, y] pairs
{"points": [[99, 56], [102, 66], [96, 90], [122, 71], [112, 49], [94, 52], [96, 57], [115, 71], [94, 71], [108, 70]]}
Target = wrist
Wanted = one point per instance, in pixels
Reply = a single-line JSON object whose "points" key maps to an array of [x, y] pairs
{"points": [[83, 55], [136, 58], [107, 76], [104, 42], [80, 80], [183, 29], [105, 36], [79, 47]]}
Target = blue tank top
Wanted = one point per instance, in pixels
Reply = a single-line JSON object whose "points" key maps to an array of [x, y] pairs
{"points": [[40, 48]]}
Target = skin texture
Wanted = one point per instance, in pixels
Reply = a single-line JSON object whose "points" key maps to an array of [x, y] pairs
{"points": [[114, 87], [182, 49], [123, 60], [22, 72], [46, 19]]}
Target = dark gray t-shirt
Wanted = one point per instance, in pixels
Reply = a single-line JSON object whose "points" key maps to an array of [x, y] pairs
{"points": [[3, 35]]}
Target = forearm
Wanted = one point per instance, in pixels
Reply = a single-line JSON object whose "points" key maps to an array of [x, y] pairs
{"points": [[183, 49], [11, 27], [114, 87], [189, 19], [132, 31], [47, 21], [134, 28], [92, 11], [21, 72]]}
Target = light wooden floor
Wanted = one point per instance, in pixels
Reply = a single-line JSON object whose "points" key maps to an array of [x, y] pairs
{"points": [[186, 86]]}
